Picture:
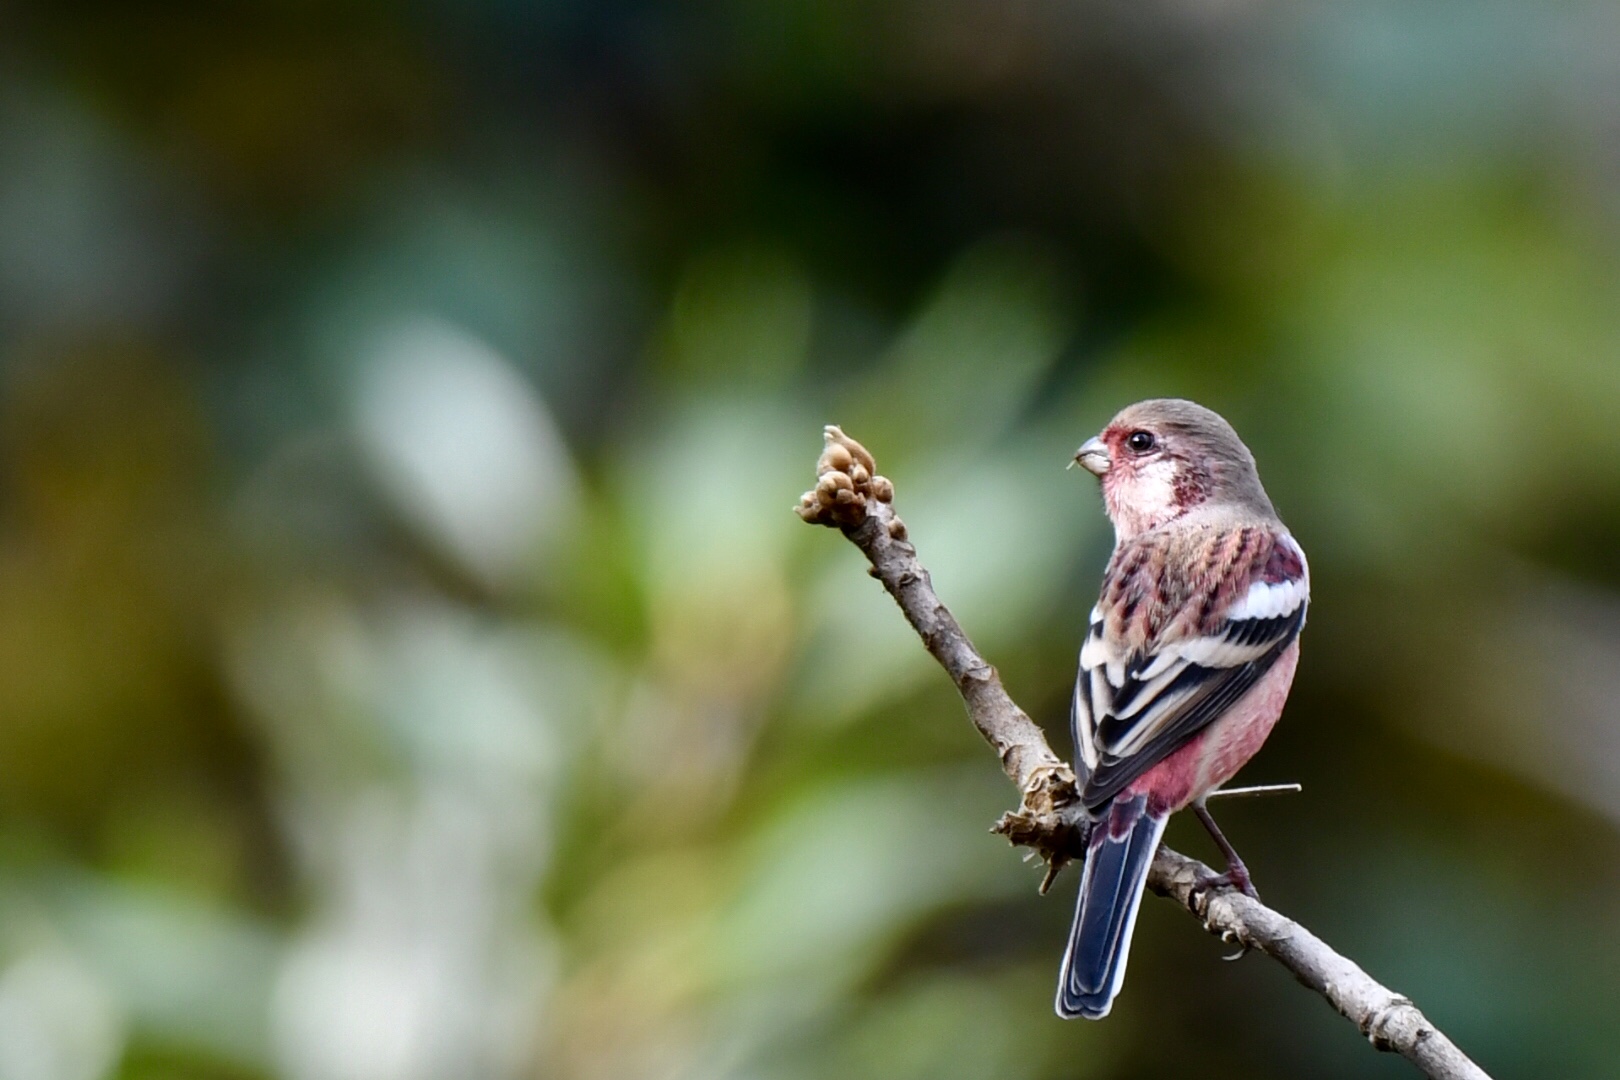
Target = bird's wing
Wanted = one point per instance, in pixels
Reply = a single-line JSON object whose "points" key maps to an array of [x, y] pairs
{"points": [[1184, 627]]}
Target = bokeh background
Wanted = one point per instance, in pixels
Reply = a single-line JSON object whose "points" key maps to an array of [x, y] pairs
{"points": [[411, 669]]}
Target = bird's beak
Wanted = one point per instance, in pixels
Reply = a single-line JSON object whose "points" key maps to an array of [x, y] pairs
{"points": [[1093, 457]]}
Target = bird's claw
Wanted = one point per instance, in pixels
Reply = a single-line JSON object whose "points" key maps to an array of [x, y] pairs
{"points": [[1235, 877], [1202, 889]]}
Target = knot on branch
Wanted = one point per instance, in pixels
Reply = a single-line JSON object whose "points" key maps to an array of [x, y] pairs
{"points": [[978, 672], [846, 479], [1044, 822], [1395, 1025]]}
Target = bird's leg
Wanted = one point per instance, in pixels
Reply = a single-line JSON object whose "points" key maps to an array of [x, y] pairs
{"points": [[1237, 875]]}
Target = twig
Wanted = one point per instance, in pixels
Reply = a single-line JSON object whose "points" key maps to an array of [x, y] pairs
{"points": [[849, 495], [1255, 792]]}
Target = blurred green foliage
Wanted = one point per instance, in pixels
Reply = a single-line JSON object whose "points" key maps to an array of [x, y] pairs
{"points": [[410, 667]]}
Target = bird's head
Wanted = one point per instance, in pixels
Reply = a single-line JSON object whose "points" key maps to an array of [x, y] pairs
{"points": [[1162, 459]]}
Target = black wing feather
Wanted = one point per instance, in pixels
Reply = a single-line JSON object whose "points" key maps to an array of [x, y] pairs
{"points": [[1210, 692]]}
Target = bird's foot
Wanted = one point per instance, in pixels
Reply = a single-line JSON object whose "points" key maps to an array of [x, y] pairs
{"points": [[1236, 877]]}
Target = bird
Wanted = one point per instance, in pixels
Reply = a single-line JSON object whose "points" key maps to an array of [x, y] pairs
{"points": [[1187, 661]]}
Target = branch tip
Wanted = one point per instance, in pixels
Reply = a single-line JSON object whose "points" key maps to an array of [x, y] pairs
{"points": [[846, 478]]}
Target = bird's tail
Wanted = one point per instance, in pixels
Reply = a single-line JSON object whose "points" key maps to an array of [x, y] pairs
{"points": [[1118, 856]]}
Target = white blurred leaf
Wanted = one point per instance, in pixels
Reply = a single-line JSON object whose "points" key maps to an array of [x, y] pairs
{"points": [[463, 444]]}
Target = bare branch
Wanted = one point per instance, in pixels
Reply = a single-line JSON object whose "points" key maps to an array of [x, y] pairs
{"points": [[1389, 1020], [849, 495]]}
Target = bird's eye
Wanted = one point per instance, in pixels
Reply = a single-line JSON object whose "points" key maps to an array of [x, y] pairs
{"points": [[1140, 442]]}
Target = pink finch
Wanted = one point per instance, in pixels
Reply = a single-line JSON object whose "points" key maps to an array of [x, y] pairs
{"points": [[1186, 664]]}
